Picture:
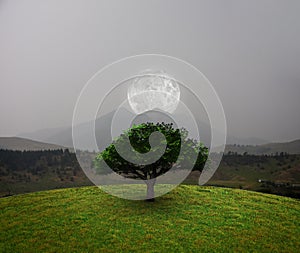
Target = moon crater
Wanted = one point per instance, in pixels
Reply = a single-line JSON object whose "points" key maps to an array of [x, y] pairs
{"points": [[153, 91]]}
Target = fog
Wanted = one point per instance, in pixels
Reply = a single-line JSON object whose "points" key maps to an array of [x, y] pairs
{"points": [[249, 50]]}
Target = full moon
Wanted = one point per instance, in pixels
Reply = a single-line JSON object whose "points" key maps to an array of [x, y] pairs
{"points": [[153, 91]]}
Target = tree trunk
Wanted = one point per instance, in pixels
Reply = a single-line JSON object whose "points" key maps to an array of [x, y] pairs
{"points": [[150, 189]]}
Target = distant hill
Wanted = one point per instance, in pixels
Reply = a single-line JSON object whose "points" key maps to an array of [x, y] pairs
{"points": [[245, 141], [292, 147], [42, 135], [17, 143], [63, 136]]}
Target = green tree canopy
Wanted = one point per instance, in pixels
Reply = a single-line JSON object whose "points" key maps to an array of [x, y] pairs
{"points": [[139, 140]]}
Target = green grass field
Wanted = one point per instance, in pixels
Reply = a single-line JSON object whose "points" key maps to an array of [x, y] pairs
{"points": [[188, 219]]}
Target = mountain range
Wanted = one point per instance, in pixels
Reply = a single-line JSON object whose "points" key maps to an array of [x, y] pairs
{"points": [[17, 143], [63, 136], [292, 147]]}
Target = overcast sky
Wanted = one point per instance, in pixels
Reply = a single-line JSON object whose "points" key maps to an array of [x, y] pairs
{"points": [[249, 50]]}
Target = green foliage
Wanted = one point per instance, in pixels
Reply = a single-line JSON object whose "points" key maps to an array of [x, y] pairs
{"points": [[139, 139]]}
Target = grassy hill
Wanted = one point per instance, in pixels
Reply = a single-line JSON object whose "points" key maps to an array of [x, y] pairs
{"points": [[188, 219], [17, 143]]}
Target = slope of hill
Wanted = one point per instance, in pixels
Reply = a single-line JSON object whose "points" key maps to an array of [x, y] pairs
{"points": [[270, 174], [42, 135], [188, 219], [17, 143], [292, 147]]}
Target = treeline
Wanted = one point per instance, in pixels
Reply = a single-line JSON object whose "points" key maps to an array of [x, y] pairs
{"points": [[26, 166], [282, 158], [19, 160], [34, 161]]}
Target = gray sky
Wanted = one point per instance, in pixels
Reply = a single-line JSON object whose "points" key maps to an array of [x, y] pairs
{"points": [[249, 50]]}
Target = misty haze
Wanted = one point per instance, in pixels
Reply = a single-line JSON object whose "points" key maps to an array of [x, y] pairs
{"points": [[149, 126]]}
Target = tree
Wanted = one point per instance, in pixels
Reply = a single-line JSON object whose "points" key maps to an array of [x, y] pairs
{"points": [[139, 140]]}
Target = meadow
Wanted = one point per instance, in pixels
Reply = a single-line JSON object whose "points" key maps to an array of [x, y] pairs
{"points": [[188, 219]]}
